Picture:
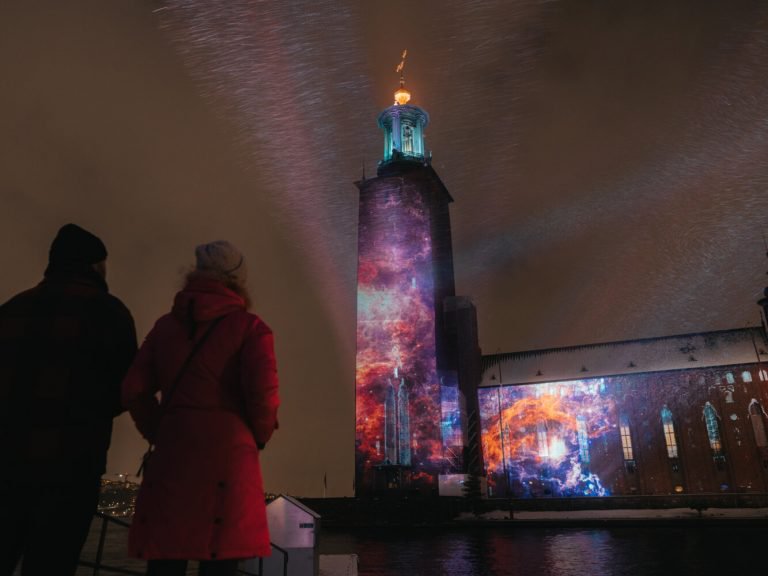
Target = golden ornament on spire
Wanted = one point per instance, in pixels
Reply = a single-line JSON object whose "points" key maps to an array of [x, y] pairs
{"points": [[402, 96]]}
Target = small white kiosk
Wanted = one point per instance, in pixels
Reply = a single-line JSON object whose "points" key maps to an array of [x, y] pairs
{"points": [[294, 531]]}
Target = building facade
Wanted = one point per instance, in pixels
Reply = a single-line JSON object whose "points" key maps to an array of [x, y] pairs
{"points": [[669, 415], [680, 414]]}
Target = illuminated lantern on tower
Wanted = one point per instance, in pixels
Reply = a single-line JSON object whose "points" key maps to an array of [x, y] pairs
{"points": [[411, 423]]}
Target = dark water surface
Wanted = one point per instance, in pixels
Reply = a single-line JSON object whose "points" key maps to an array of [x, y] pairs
{"points": [[504, 551], [685, 549]]}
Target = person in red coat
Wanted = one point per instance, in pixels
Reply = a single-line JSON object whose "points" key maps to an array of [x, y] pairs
{"points": [[202, 496]]}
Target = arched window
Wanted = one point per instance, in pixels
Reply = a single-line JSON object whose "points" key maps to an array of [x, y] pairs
{"points": [[763, 375], [626, 438], [581, 431], [758, 424], [669, 432], [713, 430], [746, 376], [729, 378], [407, 138]]}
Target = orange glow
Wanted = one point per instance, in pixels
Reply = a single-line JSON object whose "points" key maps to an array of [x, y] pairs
{"points": [[402, 96], [520, 423]]}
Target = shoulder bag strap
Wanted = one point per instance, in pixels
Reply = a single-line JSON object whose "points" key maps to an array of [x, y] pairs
{"points": [[166, 399]]}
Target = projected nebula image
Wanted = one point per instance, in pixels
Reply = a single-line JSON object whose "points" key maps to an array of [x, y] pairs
{"points": [[452, 427], [682, 431], [398, 406], [540, 437]]}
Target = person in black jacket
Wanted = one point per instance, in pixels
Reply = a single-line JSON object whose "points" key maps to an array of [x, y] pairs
{"points": [[65, 346]]}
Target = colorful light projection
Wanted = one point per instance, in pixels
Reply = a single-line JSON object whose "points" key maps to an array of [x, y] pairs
{"points": [[452, 426], [537, 438], [398, 404]]}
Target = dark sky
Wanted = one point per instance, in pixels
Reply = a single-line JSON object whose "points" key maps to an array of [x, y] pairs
{"points": [[609, 162]]}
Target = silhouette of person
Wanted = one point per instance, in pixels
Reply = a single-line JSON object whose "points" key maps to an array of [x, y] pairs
{"points": [[65, 346]]}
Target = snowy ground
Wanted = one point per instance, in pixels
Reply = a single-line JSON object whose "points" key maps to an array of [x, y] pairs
{"points": [[338, 564]]}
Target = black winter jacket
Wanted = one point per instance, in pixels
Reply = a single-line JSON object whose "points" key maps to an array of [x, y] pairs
{"points": [[65, 346]]}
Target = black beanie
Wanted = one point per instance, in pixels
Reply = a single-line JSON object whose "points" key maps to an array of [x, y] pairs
{"points": [[73, 245]]}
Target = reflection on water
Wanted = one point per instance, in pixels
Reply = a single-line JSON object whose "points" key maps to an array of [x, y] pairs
{"points": [[563, 553], [520, 551], [682, 550]]}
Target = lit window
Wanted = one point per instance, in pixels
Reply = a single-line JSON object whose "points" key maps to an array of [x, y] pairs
{"points": [[541, 437], [729, 378], [581, 431], [626, 438], [763, 375], [713, 430], [746, 376], [758, 424], [669, 432]]}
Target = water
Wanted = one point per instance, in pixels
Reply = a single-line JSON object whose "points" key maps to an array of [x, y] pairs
{"points": [[719, 550], [503, 551]]}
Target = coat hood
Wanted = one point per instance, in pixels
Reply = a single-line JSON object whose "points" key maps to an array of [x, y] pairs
{"points": [[204, 299]]}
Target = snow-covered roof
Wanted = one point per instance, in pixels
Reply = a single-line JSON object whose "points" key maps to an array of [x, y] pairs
{"points": [[297, 503], [681, 352]]}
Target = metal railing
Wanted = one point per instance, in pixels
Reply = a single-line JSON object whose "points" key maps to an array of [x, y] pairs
{"points": [[99, 567], [282, 551]]}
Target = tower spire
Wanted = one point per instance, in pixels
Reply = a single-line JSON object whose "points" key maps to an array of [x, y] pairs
{"points": [[402, 96], [401, 67]]}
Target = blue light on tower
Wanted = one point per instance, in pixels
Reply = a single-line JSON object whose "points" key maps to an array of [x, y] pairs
{"points": [[403, 125]]}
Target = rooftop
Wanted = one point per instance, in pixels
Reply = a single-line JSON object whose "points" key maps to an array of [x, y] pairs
{"points": [[680, 352]]}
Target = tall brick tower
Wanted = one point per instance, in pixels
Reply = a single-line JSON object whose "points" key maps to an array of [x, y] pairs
{"points": [[410, 411]]}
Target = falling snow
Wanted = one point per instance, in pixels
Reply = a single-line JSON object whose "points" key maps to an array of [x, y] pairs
{"points": [[595, 168], [608, 161]]}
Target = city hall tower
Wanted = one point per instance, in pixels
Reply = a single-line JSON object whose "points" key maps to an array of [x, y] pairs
{"points": [[410, 409]]}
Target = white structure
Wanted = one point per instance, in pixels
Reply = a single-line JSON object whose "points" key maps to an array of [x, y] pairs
{"points": [[293, 531]]}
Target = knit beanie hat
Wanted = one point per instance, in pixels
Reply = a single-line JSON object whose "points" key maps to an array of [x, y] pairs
{"points": [[222, 257], [76, 246]]}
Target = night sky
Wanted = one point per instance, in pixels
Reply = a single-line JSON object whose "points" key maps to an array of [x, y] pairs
{"points": [[608, 161]]}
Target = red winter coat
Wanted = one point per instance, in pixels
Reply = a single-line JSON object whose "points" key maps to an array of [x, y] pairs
{"points": [[202, 496]]}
